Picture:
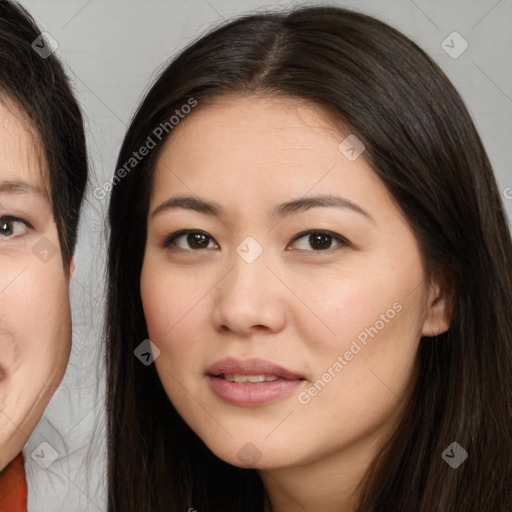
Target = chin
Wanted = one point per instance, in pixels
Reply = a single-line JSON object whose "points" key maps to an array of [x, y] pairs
{"points": [[247, 454]]}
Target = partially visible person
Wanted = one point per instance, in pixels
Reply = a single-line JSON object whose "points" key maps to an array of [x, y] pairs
{"points": [[43, 175]]}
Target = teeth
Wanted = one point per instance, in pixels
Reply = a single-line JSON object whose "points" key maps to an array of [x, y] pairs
{"points": [[234, 377]]}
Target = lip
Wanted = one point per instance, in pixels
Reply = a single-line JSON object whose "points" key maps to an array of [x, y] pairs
{"points": [[247, 394], [251, 367]]}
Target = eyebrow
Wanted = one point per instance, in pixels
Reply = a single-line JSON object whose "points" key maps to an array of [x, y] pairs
{"points": [[19, 187], [277, 213]]}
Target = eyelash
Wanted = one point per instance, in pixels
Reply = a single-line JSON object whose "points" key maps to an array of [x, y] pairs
{"points": [[343, 242], [8, 219]]}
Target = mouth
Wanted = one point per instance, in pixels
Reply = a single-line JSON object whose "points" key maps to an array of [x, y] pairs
{"points": [[251, 382], [237, 377], [252, 370]]}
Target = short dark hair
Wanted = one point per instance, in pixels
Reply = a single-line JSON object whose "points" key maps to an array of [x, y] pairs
{"points": [[423, 145], [41, 89]]}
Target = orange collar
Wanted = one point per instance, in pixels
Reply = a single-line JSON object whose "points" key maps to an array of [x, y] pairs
{"points": [[13, 487]]}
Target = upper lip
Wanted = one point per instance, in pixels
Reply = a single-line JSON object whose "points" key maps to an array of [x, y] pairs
{"points": [[253, 366]]}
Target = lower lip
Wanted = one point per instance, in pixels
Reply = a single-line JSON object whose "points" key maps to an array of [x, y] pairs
{"points": [[247, 394]]}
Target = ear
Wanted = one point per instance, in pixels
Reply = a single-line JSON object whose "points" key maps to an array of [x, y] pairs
{"points": [[440, 307], [72, 266]]}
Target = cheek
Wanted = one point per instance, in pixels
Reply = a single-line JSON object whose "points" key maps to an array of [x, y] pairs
{"points": [[176, 313], [373, 322], [176, 325], [35, 339], [171, 300], [361, 374], [157, 295], [343, 308], [46, 325]]}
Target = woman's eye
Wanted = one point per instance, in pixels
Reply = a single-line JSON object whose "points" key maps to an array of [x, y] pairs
{"points": [[12, 227], [189, 240], [319, 240]]}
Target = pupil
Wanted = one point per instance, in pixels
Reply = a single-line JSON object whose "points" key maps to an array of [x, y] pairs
{"points": [[320, 239], [197, 240], [6, 229]]}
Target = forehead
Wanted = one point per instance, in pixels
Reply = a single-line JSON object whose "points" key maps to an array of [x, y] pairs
{"points": [[264, 145], [244, 122], [258, 137], [21, 156]]}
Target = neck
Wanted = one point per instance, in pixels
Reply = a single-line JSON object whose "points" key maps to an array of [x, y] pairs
{"points": [[330, 483]]}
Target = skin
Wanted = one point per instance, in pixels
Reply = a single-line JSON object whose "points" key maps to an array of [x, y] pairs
{"points": [[295, 306], [35, 318]]}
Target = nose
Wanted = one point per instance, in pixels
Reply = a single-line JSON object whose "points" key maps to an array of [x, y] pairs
{"points": [[249, 299]]}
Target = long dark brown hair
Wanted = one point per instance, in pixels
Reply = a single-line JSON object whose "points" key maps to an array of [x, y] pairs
{"points": [[422, 143]]}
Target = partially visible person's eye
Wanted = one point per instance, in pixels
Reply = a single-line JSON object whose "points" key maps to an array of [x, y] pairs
{"points": [[320, 240], [193, 239], [13, 227]]}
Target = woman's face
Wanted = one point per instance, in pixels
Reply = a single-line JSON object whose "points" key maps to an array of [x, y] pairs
{"points": [[279, 348], [35, 321]]}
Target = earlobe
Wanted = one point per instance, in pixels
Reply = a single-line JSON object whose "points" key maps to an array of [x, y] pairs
{"points": [[439, 310]]}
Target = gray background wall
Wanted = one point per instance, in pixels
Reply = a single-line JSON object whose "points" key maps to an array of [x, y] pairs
{"points": [[113, 49]]}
